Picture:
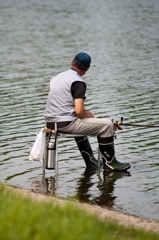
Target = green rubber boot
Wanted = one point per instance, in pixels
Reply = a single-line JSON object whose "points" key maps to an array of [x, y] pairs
{"points": [[106, 146], [86, 152]]}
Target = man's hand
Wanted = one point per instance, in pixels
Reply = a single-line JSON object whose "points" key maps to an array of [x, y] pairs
{"points": [[90, 114], [80, 109], [116, 126]]}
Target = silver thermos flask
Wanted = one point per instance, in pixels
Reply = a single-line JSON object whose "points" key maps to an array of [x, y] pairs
{"points": [[51, 155]]}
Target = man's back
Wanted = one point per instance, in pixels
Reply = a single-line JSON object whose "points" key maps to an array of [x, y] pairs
{"points": [[60, 104]]}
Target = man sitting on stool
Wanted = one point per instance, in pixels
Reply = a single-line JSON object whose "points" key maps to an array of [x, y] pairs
{"points": [[65, 106]]}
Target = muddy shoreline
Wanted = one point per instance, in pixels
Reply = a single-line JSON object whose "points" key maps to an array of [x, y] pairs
{"points": [[102, 213]]}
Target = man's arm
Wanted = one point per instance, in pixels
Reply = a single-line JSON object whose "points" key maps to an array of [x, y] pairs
{"points": [[80, 109]]}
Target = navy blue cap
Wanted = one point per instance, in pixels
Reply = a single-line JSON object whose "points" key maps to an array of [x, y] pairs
{"points": [[83, 59]]}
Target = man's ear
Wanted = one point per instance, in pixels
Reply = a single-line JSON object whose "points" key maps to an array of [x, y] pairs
{"points": [[72, 64]]}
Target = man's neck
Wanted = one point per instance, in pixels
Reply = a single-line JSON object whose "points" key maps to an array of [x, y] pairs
{"points": [[75, 69]]}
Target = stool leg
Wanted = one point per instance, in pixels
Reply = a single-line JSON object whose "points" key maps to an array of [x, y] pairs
{"points": [[56, 140], [56, 159], [44, 155], [98, 157]]}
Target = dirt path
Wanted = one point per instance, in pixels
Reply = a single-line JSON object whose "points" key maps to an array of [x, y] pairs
{"points": [[100, 212]]}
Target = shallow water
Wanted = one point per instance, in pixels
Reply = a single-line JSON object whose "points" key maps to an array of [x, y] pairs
{"points": [[38, 40]]}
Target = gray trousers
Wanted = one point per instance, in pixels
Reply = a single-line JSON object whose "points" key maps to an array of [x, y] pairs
{"points": [[101, 126]]}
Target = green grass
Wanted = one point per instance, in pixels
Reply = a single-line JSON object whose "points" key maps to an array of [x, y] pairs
{"points": [[22, 218]]}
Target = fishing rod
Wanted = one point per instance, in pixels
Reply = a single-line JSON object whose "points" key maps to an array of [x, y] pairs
{"points": [[117, 124]]}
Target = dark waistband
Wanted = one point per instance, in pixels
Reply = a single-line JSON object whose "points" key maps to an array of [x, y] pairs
{"points": [[59, 124]]}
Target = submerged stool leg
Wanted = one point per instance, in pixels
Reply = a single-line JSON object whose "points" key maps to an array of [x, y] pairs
{"points": [[98, 157], [56, 154]]}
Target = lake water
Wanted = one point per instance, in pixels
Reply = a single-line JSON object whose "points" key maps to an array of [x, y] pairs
{"points": [[38, 40]]}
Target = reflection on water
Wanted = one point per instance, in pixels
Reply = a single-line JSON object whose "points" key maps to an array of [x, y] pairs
{"points": [[46, 186], [38, 40], [106, 185]]}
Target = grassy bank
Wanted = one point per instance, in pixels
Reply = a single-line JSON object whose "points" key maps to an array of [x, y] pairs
{"points": [[22, 218]]}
